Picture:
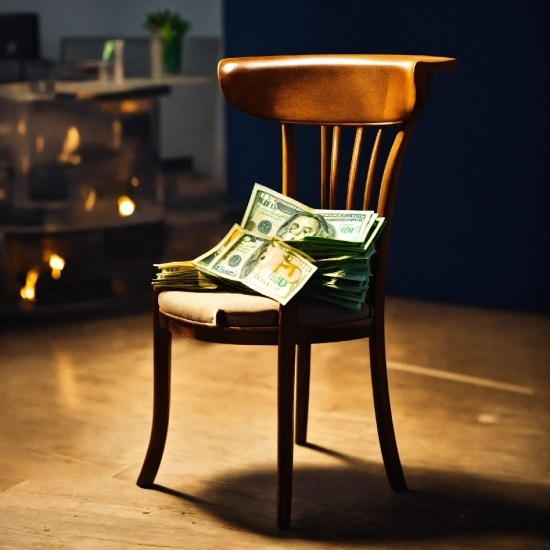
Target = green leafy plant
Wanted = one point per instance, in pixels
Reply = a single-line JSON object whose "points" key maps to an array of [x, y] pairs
{"points": [[169, 25]]}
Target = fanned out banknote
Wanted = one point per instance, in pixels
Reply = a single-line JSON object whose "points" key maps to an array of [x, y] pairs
{"points": [[283, 247], [266, 265]]}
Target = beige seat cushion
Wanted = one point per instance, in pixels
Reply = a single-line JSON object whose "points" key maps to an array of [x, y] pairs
{"points": [[246, 310]]}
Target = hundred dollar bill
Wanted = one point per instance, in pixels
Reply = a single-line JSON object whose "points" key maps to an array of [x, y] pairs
{"points": [[197, 284], [174, 267], [368, 245], [321, 254], [275, 215], [346, 225], [228, 258], [358, 276], [280, 271], [182, 275], [351, 303], [344, 275], [268, 266], [343, 284], [342, 262], [268, 211]]}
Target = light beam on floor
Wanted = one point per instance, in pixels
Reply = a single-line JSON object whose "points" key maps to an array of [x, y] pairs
{"points": [[475, 380]]}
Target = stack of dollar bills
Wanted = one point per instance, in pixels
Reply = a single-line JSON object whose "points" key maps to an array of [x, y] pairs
{"points": [[283, 247]]}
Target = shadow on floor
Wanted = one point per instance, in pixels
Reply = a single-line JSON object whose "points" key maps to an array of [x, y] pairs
{"points": [[355, 502]]}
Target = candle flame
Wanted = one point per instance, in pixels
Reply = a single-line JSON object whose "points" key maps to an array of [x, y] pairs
{"points": [[126, 206], [28, 291], [56, 263]]}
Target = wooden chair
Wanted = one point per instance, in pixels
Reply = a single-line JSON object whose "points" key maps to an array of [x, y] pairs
{"points": [[323, 90]]}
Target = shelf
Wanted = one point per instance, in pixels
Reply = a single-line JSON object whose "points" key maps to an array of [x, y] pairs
{"points": [[98, 89]]}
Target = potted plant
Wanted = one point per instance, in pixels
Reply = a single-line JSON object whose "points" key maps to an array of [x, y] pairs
{"points": [[170, 27]]}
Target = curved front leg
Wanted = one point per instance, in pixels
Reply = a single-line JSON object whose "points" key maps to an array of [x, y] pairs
{"points": [[382, 406], [162, 351]]}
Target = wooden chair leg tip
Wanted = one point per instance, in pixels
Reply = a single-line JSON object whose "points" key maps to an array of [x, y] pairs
{"points": [[399, 487], [145, 482]]}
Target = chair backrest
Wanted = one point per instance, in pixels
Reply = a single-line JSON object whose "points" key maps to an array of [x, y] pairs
{"points": [[339, 90]]}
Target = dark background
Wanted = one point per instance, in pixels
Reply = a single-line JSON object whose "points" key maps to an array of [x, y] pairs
{"points": [[472, 214]]}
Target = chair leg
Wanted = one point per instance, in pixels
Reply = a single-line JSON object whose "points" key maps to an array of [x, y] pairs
{"points": [[162, 351], [382, 407], [302, 392], [285, 413]]}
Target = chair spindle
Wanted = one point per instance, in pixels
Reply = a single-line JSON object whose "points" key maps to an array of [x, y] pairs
{"points": [[289, 161], [353, 167], [391, 173], [324, 168], [372, 169], [334, 165]]}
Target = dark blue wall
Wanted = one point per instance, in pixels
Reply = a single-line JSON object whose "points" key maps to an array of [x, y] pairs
{"points": [[472, 215]]}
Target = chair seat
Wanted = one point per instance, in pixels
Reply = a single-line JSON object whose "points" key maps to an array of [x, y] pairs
{"points": [[234, 309]]}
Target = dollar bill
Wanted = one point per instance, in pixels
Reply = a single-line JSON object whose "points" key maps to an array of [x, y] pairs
{"points": [[281, 272], [182, 275], [173, 267], [268, 211], [272, 214], [351, 303], [267, 265], [345, 274], [360, 281], [346, 225], [368, 245], [228, 258]]}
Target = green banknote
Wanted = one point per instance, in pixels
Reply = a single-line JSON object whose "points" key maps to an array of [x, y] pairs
{"points": [[175, 267], [281, 271], [275, 215], [346, 225], [348, 302], [229, 257], [182, 275], [345, 274], [266, 265], [268, 212]]}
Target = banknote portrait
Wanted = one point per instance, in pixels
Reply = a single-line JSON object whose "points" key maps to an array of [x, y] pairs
{"points": [[254, 260], [304, 224]]}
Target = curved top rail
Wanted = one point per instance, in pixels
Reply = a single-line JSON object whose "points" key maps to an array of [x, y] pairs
{"points": [[331, 89]]}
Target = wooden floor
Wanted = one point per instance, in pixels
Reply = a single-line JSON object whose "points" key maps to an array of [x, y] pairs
{"points": [[470, 391]]}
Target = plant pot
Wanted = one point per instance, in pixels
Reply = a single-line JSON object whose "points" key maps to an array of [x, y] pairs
{"points": [[171, 54]]}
